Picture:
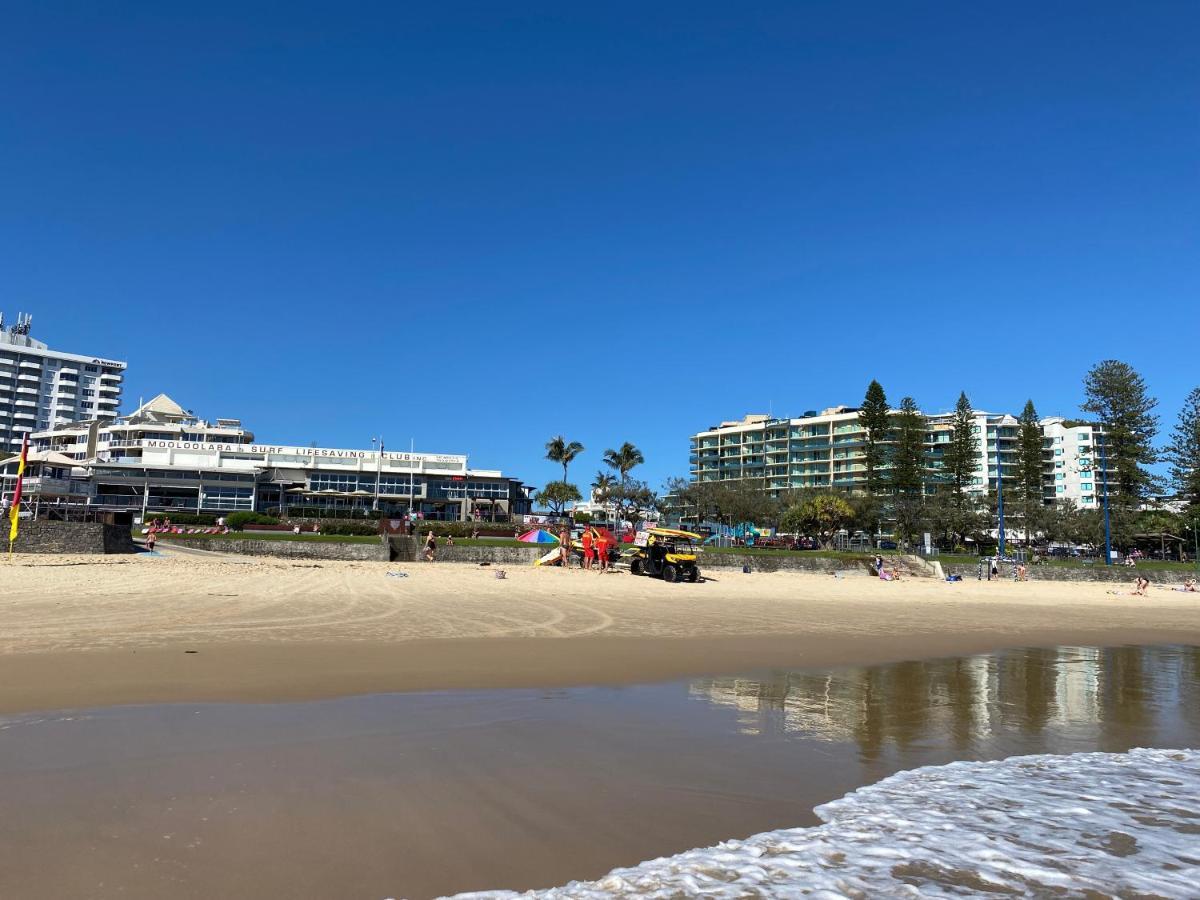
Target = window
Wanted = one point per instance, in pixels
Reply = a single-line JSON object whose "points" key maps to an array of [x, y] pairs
{"points": [[1058, 451], [1088, 500], [1086, 486], [1061, 489], [1059, 476], [91, 368]]}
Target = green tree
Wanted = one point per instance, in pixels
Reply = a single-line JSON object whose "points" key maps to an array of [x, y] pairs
{"points": [[633, 500], [824, 514], [1183, 453], [559, 450], [1116, 394], [873, 417], [908, 469], [961, 460], [1029, 467], [624, 460], [908, 454], [556, 495]]}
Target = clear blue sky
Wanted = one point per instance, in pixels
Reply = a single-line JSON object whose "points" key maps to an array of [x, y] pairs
{"points": [[450, 221]]}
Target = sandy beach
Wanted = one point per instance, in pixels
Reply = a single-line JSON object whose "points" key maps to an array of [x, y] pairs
{"points": [[88, 631]]}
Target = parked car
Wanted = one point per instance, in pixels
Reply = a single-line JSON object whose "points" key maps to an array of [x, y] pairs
{"points": [[888, 545]]}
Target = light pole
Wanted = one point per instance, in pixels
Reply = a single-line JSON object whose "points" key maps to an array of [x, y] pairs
{"points": [[378, 470], [1196, 543]]}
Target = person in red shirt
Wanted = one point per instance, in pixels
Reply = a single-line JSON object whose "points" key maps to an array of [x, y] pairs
{"points": [[589, 552], [601, 544]]}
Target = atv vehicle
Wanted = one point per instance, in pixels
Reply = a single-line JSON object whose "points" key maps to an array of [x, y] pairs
{"points": [[669, 554]]}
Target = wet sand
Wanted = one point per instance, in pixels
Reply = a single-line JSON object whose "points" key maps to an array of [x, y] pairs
{"points": [[416, 795], [84, 632]]}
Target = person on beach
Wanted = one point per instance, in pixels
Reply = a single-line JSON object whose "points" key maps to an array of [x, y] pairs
{"points": [[993, 569], [589, 550], [1021, 571], [449, 540], [151, 537], [430, 546], [878, 563], [1139, 589], [601, 546], [564, 546]]}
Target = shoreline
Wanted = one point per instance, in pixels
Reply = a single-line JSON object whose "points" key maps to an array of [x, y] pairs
{"points": [[300, 672], [78, 633]]}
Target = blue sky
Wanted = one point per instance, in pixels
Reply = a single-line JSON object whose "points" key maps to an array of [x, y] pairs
{"points": [[480, 225]]}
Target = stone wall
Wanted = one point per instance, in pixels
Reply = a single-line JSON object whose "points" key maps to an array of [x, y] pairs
{"points": [[42, 536], [1094, 573], [477, 553], [291, 549], [783, 562]]}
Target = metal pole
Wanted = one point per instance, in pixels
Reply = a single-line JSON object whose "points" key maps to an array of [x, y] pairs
{"points": [[1196, 543], [1107, 527], [378, 473], [1000, 493], [412, 516]]}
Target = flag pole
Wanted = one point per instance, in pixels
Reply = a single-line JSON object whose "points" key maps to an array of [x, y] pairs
{"points": [[14, 512]]}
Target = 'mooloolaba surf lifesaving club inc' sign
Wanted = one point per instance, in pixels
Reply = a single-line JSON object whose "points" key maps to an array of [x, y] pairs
{"points": [[314, 452]]}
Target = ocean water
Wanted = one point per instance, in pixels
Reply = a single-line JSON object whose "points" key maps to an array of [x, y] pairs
{"points": [[1007, 773], [1090, 825]]}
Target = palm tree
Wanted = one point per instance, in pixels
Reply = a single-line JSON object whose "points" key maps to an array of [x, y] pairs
{"points": [[559, 451], [624, 460], [602, 483]]}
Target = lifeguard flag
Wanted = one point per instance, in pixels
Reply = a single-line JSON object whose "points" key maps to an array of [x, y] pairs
{"points": [[15, 512]]}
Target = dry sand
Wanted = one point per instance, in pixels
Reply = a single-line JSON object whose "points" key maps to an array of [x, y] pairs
{"points": [[88, 631]]}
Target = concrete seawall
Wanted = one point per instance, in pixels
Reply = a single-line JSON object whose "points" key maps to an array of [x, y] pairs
{"points": [[41, 536], [377, 552], [1096, 573]]}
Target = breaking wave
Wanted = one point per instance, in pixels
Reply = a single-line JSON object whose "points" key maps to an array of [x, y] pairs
{"points": [[1087, 824]]}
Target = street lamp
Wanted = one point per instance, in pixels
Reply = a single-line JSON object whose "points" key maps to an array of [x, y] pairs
{"points": [[378, 470]]}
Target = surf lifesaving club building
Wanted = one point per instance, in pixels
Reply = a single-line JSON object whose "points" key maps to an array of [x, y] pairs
{"points": [[162, 459]]}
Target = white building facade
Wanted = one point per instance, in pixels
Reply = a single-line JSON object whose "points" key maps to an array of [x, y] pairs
{"points": [[826, 449], [42, 388], [163, 459]]}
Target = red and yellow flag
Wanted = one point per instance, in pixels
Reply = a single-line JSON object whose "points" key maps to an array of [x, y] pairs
{"points": [[15, 512]]}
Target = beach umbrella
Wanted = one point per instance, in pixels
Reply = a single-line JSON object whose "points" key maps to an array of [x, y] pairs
{"points": [[538, 536]]}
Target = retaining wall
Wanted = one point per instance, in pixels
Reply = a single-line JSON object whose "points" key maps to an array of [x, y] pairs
{"points": [[1097, 573], [292, 549], [508, 556], [43, 536], [780, 563]]}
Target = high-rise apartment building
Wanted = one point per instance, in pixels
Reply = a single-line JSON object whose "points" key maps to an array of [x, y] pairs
{"points": [[42, 388], [826, 449]]}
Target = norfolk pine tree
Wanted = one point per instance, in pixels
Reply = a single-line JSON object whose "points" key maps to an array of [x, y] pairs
{"points": [[962, 456], [908, 466], [873, 417], [1029, 466], [1183, 453], [1116, 394]]}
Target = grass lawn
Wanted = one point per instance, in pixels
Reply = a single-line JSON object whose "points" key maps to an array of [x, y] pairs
{"points": [[270, 536]]}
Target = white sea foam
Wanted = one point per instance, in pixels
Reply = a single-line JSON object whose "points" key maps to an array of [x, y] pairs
{"points": [[1088, 824]]}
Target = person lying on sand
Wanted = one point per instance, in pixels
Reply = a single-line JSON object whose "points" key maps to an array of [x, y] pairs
{"points": [[1189, 587]]}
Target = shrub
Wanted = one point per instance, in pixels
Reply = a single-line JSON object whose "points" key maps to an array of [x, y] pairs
{"points": [[350, 528], [239, 520]]}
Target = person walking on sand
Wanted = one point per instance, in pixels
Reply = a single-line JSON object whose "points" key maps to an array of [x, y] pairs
{"points": [[564, 546], [589, 551], [430, 546], [151, 536]]}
